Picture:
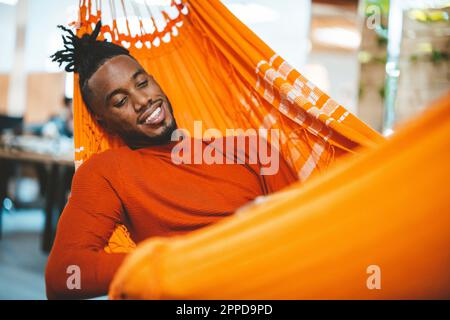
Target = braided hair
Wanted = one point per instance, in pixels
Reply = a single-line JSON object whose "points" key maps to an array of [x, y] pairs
{"points": [[85, 55]]}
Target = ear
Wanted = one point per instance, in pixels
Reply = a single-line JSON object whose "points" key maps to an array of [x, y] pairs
{"points": [[99, 119]]}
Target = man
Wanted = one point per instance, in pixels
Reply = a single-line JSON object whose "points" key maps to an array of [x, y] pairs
{"points": [[137, 185]]}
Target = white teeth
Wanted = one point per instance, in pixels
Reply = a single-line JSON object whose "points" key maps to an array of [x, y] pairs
{"points": [[154, 115]]}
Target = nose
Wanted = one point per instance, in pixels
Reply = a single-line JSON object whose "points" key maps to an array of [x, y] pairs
{"points": [[141, 101]]}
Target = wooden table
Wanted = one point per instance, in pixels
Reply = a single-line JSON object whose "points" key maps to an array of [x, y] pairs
{"points": [[59, 171]]}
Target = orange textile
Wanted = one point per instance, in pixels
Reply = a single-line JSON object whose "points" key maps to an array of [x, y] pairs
{"points": [[385, 210], [145, 192], [215, 70]]}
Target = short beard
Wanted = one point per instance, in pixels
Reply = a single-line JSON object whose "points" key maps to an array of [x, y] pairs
{"points": [[161, 139], [165, 136]]}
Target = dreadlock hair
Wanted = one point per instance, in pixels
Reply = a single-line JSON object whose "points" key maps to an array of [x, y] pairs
{"points": [[85, 55]]}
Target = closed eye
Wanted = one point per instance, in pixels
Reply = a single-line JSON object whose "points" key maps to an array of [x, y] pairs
{"points": [[121, 102], [143, 84]]}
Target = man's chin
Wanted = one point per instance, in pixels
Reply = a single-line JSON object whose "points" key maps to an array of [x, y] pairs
{"points": [[155, 138]]}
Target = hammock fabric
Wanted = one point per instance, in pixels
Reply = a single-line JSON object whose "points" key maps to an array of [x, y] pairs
{"points": [[387, 208], [215, 70]]}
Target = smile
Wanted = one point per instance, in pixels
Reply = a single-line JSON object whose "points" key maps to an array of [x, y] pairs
{"points": [[153, 115]]}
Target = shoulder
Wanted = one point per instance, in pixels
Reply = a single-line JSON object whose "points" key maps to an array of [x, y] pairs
{"points": [[103, 164]]}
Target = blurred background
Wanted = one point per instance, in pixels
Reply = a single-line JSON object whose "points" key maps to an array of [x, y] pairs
{"points": [[383, 60]]}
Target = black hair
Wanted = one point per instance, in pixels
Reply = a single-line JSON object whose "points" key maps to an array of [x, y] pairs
{"points": [[85, 55]]}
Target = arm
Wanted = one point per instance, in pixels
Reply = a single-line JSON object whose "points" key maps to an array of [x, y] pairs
{"points": [[87, 222]]}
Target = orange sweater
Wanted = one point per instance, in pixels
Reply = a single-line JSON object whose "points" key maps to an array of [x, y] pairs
{"points": [[144, 190]]}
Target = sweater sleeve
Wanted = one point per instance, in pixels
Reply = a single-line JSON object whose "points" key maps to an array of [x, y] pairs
{"points": [[87, 222]]}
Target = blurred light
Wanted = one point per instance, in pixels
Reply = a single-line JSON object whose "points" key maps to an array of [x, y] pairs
{"points": [[253, 13], [392, 70], [318, 74], [50, 130], [53, 44], [425, 47], [27, 189], [154, 2], [338, 37], [364, 57], [308, 46], [9, 2], [69, 86], [388, 132], [7, 204], [71, 13]]}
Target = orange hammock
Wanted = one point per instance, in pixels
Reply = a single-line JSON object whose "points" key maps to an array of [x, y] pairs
{"points": [[214, 69], [374, 227], [386, 209]]}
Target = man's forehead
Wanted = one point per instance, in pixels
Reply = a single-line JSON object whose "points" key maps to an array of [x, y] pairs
{"points": [[120, 66], [114, 73]]}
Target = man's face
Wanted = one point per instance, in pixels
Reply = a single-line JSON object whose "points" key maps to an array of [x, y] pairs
{"points": [[127, 101]]}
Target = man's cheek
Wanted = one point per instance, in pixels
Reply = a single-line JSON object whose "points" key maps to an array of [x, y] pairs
{"points": [[121, 125]]}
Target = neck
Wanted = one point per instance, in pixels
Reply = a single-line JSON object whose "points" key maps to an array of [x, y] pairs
{"points": [[135, 145]]}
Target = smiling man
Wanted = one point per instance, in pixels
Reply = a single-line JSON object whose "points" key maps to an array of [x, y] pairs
{"points": [[137, 185], [129, 102]]}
